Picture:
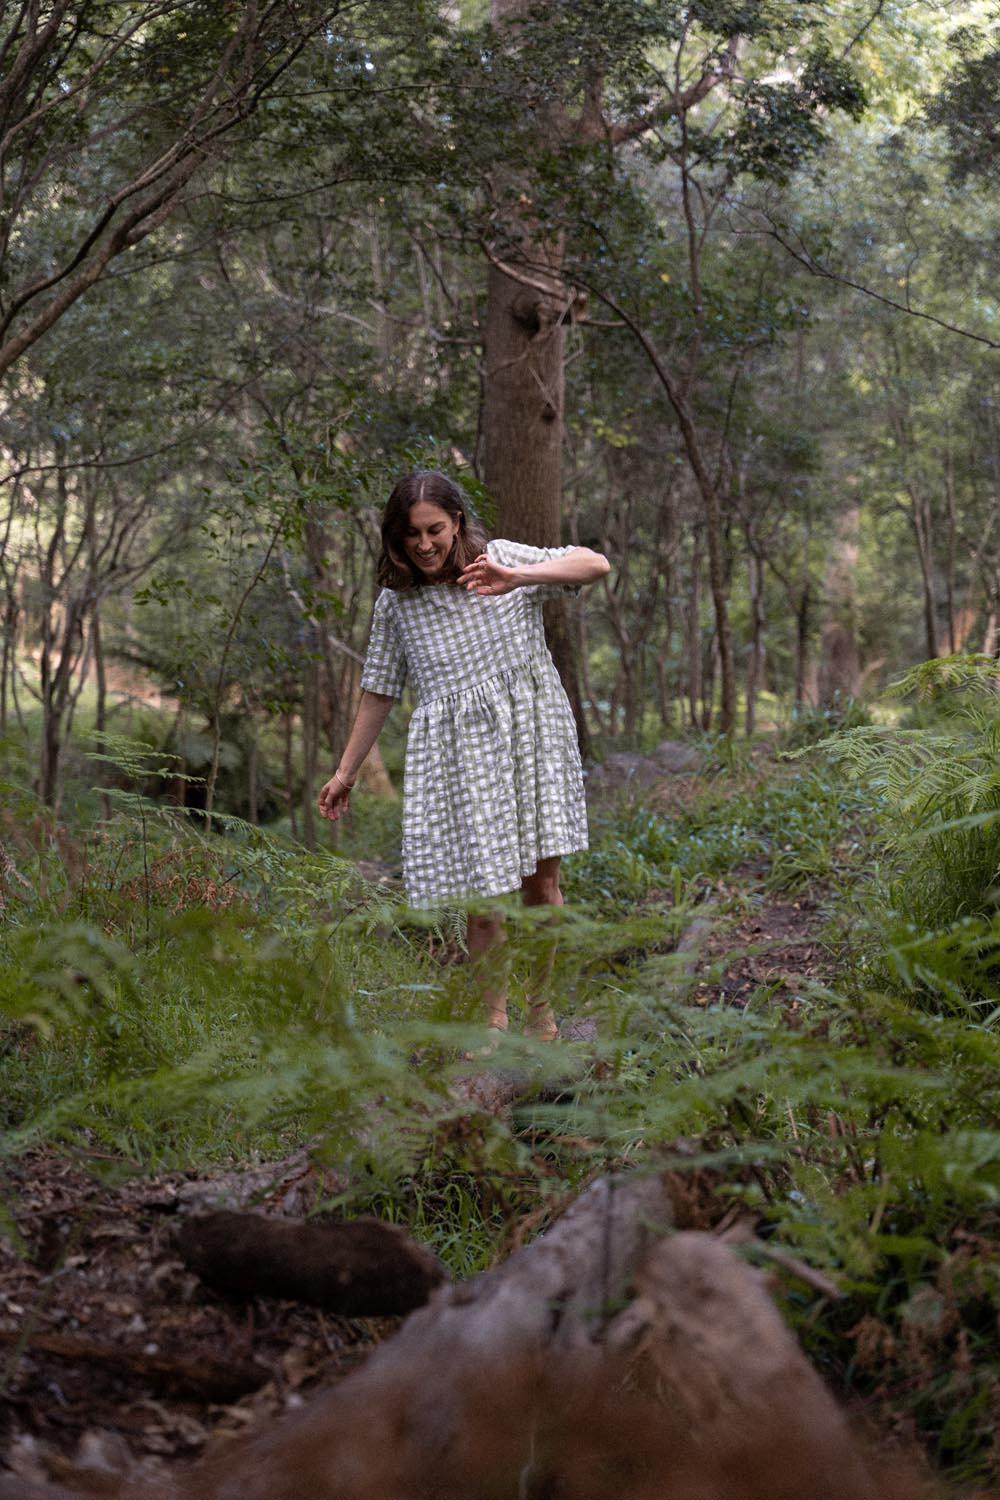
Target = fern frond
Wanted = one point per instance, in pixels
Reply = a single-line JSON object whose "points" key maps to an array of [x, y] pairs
{"points": [[947, 673]]}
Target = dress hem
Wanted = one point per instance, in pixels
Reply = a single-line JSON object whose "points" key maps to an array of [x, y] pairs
{"points": [[428, 903]]}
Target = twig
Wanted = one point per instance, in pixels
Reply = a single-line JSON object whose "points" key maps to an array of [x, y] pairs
{"points": [[825, 1285], [211, 1380]]}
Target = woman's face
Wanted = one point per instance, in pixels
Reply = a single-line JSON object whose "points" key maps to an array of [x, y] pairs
{"points": [[429, 535]]}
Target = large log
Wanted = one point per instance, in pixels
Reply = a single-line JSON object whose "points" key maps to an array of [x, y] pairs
{"points": [[608, 1358], [603, 1359]]}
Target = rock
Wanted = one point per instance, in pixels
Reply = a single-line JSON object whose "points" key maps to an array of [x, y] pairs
{"points": [[292, 1186], [676, 757], [627, 769]]}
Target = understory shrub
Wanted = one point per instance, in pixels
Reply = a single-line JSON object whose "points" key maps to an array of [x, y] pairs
{"points": [[786, 828], [935, 893]]}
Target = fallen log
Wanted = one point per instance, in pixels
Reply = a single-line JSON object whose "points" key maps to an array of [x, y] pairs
{"points": [[360, 1268], [607, 1358], [601, 1359]]}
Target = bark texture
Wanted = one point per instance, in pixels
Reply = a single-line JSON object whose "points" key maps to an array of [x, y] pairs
{"points": [[522, 423], [523, 407]]}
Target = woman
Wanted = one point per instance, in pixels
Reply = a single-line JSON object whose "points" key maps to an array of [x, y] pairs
{"points": [[493, 788]]}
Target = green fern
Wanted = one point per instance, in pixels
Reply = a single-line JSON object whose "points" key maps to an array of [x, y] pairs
{"points": [[937, 794]]}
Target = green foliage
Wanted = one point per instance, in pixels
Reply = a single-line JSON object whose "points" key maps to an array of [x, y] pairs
{"points": [[207, 437], [781, 125], [867, 1137], [191, 996], [938, 794], [968, 104], [267, 997], [810, 723], [786, 830], [372, 830]]}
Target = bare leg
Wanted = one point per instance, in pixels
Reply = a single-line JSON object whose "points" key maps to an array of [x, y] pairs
{"points": [[542, 889], [485, 935]]}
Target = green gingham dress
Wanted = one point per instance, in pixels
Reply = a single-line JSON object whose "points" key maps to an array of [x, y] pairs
{"points": [[493, 781]]}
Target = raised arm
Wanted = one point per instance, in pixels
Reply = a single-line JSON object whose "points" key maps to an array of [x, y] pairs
{"points": [[580, 565], [373, 710]]}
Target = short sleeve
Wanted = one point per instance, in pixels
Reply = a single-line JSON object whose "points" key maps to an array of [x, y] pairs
{"points": [[520, 555], [385, 664]]}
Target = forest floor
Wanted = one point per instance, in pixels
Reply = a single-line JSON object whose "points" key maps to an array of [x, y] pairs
{"points": [[112, 1351]]}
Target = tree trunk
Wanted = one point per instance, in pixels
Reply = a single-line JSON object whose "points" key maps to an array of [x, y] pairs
{"points": [[755, 663], [953, 642], [253, 771], [8, 661], [668, 542], [582, 649], [990, 635], [310, 747], [522, 426], [921, 522], [840, 666], [521, 421], [625, 691], [805, 689], [101, 680], [692, 632], [716, 568], [8, 572], [523, 401], [528, 306], [663, 692], [383, 325], [708, 684], [100, 671], [63, 645], [289, 766]]}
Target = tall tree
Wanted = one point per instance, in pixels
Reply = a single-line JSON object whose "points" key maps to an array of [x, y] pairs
{"points": [[648, 73]]}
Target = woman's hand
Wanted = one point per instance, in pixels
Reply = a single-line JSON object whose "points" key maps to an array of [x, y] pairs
{"points": [[484, 576], [334, 799]]}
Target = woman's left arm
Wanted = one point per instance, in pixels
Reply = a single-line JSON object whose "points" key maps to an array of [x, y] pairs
{"points": [[580, 565]]}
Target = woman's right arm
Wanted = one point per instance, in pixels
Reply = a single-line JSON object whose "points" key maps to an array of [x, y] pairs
{"points": [[373, 710]]}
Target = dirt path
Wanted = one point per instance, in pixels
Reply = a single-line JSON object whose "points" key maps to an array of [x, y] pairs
{"points": [[103, 1329], [770, 948]]}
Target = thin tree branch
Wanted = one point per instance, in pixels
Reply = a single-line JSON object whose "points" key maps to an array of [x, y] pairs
{"points": [[680, 102], [825, 273], [859, 35], [166, 178]]}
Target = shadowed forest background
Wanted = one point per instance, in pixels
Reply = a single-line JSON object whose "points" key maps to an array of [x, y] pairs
{"points": [[711, 288]]}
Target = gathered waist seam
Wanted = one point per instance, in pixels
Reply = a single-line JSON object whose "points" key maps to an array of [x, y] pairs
{"points": [[507, 674]]}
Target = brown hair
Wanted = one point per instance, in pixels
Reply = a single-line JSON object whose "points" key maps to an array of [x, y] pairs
{"points": [[395, 571]]}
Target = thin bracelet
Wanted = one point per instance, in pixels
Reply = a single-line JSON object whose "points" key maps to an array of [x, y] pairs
{"points": [[347, 784]]}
